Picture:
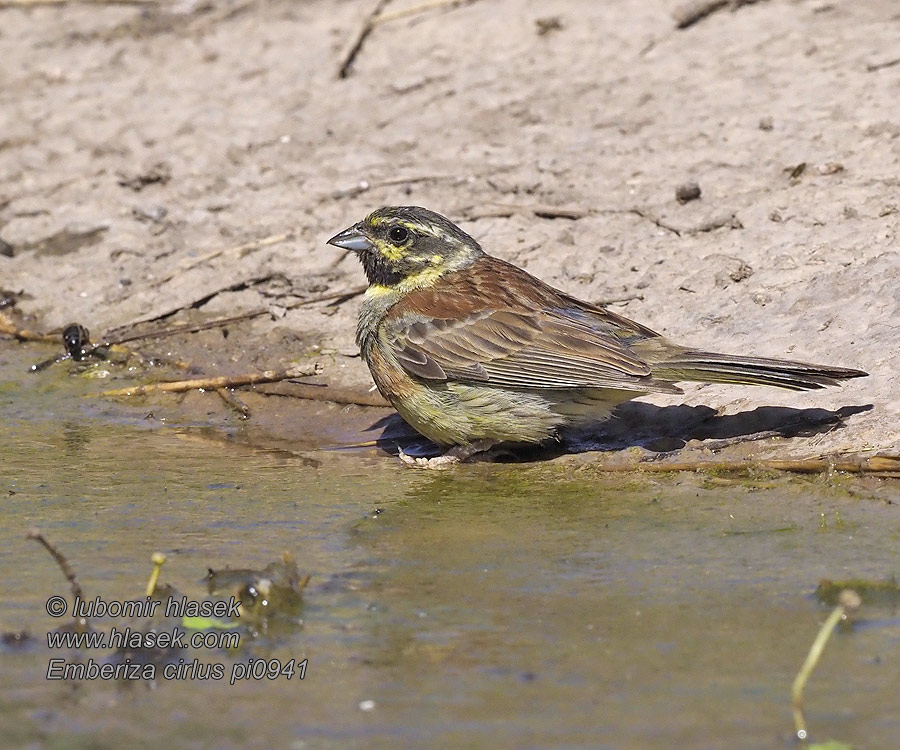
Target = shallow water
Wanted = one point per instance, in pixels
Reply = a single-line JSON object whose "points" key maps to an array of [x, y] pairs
{"points": [[491, 605]]}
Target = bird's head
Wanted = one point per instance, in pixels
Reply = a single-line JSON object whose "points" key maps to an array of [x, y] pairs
{"points": [[398, 244]]}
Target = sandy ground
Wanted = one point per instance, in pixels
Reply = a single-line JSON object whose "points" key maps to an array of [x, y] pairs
{"points": [[182, 161]]}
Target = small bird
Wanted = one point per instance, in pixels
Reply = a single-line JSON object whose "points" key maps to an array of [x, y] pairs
{"points": [[473, 351]]}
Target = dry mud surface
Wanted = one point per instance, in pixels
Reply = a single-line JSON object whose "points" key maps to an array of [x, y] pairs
{"points": [[175, 162]]}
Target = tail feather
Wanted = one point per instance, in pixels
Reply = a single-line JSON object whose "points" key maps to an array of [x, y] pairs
{"points": [[707, 367]]}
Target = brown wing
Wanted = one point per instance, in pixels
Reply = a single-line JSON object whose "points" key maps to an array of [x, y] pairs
{"points": [[494, 323]]}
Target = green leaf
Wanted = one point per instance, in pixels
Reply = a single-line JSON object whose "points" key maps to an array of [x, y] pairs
{"points": [[205, 623]]}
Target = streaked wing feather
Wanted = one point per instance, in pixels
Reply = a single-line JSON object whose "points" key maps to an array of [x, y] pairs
{"points": [[418, 363], [543, 349]]}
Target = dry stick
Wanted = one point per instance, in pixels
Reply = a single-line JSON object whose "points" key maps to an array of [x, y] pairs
{"points": [[872, 67], [194, 328], [543, 211], [687, 15], [554, 212], [653, 219], [652, 44], [241, 250], [329, 394], [236, 286], [849, 600], [363, 185], [225, 13], [61, 560], [234, 402], [376, 16], [341, 296], [187, 328], [822, 435], [21, 334], [416, 9], [361, 37], [715, 445], [224, 381], [887, 465], [8, 327], [414, 180], [617, 300]]}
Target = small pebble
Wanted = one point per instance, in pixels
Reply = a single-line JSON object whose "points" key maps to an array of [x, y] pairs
{"points": [[689, 191], [831, 167], [546, 25], [795, 172], [766, 123]]}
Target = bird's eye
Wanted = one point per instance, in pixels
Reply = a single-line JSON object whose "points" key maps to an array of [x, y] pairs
{"points": [[398, 235]]}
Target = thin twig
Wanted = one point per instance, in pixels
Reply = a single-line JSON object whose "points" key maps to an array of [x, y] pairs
{"points": [[334, 395], [872, 67], [717, 445], [364, 185], [240, 250], [651, 218], [331, 297], [378, 16], [687, 15], [500, 210], [416, 179], [421, 8], [209, 384], [187, 328], [61, 560], [884, 465], [234, 402], [361, 36], [22, 334], [553, 212], [618, 300], [237, 286], [217, 323], [8, 327], [195, 327], [696, 10]]}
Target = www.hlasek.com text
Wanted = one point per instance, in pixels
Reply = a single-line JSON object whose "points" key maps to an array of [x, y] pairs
{"points": [[126, 638]]}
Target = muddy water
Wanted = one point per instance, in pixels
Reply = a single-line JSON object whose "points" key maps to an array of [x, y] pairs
{"points": [[524, 605]]}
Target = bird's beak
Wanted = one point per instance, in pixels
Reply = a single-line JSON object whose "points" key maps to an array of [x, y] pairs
{"points": [[351, 239]]}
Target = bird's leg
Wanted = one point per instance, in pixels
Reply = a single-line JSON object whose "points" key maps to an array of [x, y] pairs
{"points": [[457, 454]]}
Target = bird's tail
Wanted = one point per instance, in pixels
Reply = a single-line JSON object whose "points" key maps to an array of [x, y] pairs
{"points": [[706, 367]]}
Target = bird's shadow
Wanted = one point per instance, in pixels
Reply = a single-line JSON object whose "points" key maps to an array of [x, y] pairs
{"points": [[654, 428]]}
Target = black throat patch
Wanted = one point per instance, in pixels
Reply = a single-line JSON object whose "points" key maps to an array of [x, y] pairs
{"points": [[378, 269]]}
